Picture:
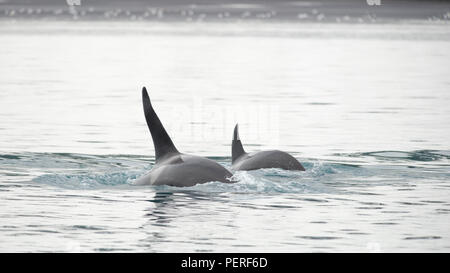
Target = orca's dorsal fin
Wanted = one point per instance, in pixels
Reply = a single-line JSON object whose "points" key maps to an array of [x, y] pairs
{"points": [[161, 140], [236, 146]]}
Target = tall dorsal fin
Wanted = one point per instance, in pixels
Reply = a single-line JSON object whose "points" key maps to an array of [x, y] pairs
{"points": [[236, 146], [161, 140]]}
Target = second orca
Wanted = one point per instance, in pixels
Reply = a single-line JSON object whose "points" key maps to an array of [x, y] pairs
{"points": [[259, 160]]}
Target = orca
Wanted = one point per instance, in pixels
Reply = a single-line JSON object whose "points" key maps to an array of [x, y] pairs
{"points": [[172, 167], [242, 161]]}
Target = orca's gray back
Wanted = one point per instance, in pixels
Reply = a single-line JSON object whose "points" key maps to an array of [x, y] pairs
{"points": [[184, 171], [267, 159], [260, 160]]}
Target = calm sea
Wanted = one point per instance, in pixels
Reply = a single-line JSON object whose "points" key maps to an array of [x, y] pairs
{"points": [[365, 108]]}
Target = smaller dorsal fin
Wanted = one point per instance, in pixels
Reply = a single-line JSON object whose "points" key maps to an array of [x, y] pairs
{"points": [[236, 146], [161, 140]]}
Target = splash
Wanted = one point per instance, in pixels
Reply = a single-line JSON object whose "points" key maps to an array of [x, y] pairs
{"points": [[90, 172]]}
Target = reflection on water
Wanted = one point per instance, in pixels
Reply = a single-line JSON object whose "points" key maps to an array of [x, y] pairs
{"points": [[396, 203], [364, 108]]}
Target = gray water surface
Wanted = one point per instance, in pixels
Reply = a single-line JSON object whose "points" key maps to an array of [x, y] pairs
{"points": [[365, 108]]}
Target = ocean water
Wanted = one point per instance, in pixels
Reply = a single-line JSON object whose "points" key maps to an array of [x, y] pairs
{"points": [[364, 107]]}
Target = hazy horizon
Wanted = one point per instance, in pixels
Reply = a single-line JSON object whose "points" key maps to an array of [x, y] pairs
{"points": [[359, 11]]}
